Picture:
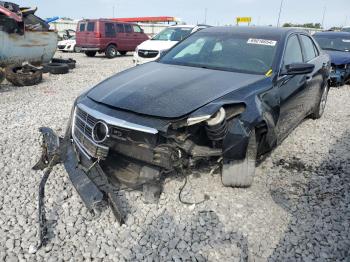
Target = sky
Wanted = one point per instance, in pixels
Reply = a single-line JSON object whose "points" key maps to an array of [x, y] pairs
{"points": [[219, 12]]}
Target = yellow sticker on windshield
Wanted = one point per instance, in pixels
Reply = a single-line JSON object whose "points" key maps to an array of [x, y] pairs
{"points": [[269, 73]]}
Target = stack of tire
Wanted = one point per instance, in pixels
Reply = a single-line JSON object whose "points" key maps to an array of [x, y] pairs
{"points": [[28, 75]]}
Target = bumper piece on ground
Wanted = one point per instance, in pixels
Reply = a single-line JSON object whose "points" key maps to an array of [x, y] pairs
{"points": [[91, 183]]}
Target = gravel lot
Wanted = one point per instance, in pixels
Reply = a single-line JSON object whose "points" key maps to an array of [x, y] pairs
{"points": [[297, 209]]}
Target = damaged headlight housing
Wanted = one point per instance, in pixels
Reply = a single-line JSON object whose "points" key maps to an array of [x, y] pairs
{"points": [[225, 112]]}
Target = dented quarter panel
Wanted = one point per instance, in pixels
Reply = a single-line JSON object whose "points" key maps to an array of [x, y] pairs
{"points": [[33, 46]]}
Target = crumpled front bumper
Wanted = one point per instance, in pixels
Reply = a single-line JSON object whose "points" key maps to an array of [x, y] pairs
{"points": [[86, 176]]}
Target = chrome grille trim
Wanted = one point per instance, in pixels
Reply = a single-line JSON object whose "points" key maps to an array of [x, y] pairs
{"points": [[83, 136], [116, 121]]}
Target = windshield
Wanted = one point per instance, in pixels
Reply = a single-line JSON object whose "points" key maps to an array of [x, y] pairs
{"points": [[346, 29], [173, 34], [334, 43], [226, 52]]}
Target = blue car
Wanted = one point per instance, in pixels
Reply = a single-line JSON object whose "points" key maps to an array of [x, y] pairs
{"points": [[337, 45]]}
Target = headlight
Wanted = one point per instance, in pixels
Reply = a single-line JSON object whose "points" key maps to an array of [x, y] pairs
{"points": [[198, 119]]}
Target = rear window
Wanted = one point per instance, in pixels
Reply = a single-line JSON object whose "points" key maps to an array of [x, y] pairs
{"points": [[128, 28], [120, 28], [82, 27], [91, 27]]}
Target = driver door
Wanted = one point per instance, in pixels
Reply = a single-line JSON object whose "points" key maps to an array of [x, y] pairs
{"points": [[292, 91]]}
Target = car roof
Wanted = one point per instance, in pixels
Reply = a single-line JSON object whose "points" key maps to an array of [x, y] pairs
{"points": [[105, 20], [333, 34], [254, 31], [184, 26]]}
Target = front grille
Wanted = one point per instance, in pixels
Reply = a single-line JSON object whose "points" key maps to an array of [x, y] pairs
{"points": [[148, 53], [82, 131]]}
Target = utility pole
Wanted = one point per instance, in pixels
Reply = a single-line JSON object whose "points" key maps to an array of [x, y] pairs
{"points": [[324, 15], [205, 16], [113, 11], [279, 14]]}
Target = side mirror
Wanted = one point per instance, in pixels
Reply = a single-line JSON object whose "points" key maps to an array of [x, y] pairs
{"points": [[298, 69]]}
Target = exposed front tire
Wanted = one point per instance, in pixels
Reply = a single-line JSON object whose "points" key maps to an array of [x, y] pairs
{"points": [[319, 110], [23, 75], [90, 53], [240, 173], [111, 51]]}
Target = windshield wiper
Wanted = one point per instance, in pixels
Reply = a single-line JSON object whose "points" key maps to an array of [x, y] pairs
{"points": [[333, 49]]}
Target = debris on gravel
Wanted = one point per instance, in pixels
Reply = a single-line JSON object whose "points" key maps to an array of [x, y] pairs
{"points": [[297, 209]]}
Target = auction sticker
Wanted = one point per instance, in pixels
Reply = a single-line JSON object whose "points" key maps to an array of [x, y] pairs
{"points": [[255, 41]]}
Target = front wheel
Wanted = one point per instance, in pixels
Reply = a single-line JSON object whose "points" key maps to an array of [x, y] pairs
{"points": [[240, 173], [319, 110]]}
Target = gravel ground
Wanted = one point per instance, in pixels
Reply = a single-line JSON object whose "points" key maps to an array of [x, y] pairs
{"points": [[297, 209]]}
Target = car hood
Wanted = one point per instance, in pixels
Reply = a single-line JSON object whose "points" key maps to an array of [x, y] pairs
{"points": [[168, 91], [157, 45], [339, 58], [66, 42]]}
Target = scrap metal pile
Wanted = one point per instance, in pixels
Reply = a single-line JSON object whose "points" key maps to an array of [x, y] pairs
{"points": [[27, 46]]}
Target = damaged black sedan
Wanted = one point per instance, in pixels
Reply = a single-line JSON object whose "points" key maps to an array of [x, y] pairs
{"points": [[220, 98]]}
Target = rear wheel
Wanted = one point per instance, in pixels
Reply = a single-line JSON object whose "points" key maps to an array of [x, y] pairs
{"points": [[122, 52], [240, 173], [111, 51], [319, 110], [90, 53]]}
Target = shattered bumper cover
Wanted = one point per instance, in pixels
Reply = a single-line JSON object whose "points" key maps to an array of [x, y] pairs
{"points": [[86, 176]]}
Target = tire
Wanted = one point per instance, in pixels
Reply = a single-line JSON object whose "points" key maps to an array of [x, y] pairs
{"points": [[90, 53], [23, 75], [75, 50], [2, 75], [56, 68], [319, 110], [70, 62], [122, 52], [240, 173], [111, 51]]}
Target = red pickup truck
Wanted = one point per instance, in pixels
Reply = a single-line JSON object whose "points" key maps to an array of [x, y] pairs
{"points": [[108, 36]]}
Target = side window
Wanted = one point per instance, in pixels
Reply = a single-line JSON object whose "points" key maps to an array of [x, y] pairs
{"points": [[128, 28], [82, 28], [293, 52], [109, 30], [120, 28], [309, 48], [91, 26], [137, 29]]}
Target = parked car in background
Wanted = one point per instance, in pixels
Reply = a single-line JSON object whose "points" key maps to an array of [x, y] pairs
{"points": [[68, 45], [151, 50], [221, 97], [107, 36], [346, 29], [337, 45]]}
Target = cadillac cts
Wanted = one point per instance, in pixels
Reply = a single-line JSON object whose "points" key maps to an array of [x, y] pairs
{"points": [[220, 98]]}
